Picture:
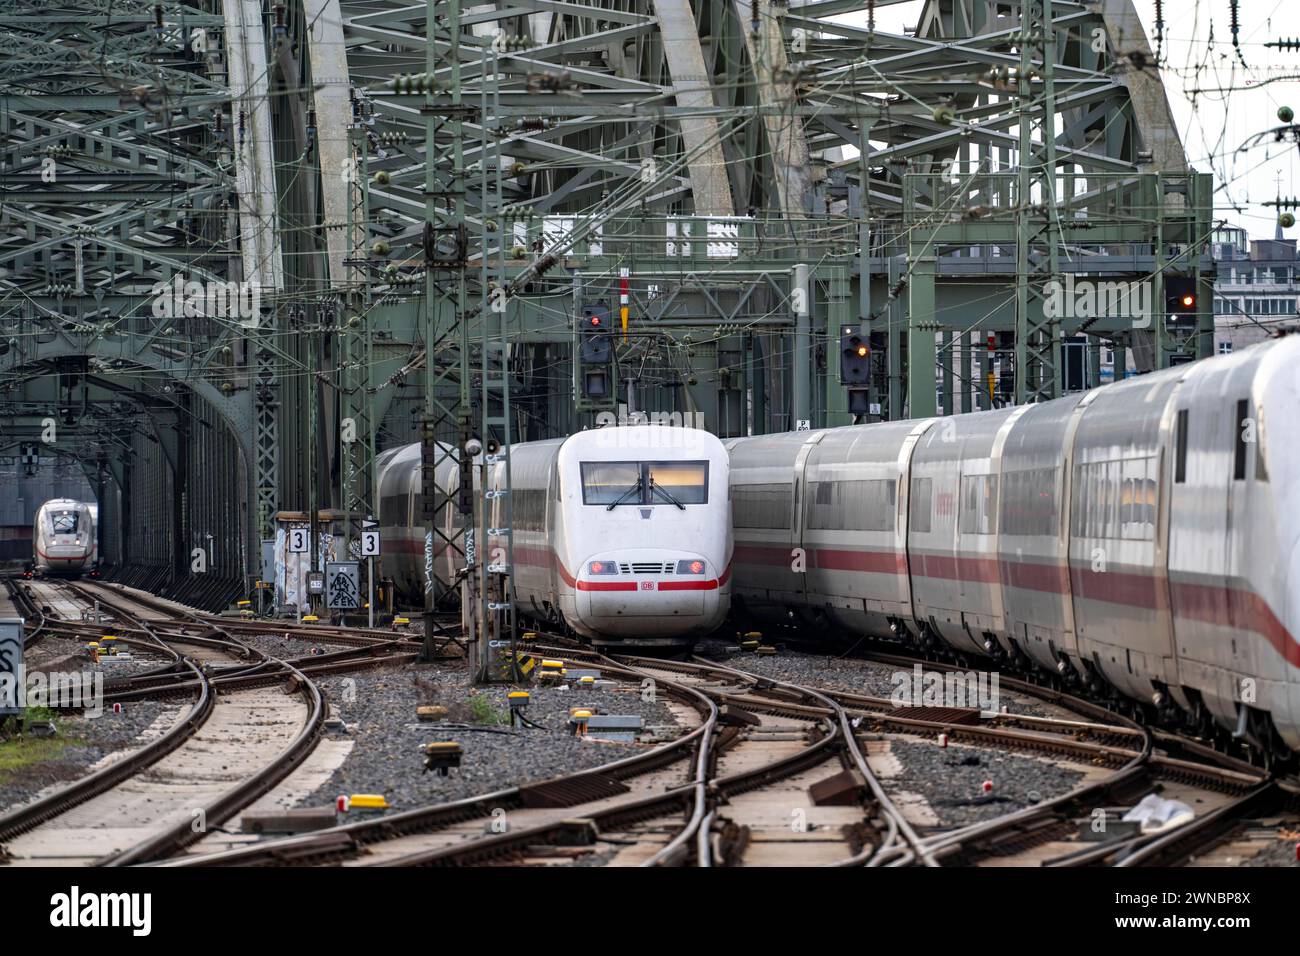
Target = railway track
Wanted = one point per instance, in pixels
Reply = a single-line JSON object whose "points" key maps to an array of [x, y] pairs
{"points": [[170, 774], [706, 798], [671, 818]]}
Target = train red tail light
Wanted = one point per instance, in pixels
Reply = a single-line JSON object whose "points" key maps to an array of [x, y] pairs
{"points": [[602, 567], [686, 566]]}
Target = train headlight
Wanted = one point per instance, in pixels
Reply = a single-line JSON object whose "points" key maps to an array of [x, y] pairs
{"points": [[686, 566], [602, 567]]}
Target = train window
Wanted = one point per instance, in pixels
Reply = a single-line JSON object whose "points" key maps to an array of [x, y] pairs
{"points": [[919, 509], [604, 482], [1137, 500], [761, 506], [1116, 499], [1245, 431], [392, 511], [684, 481], [860, 505], [645, 483], [65, 522], [977, 512], [527, 509], [1029, 502], [1180, 448]]}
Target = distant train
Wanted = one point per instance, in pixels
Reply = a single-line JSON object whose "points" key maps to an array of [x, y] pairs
{"points": [[622, 533], [64, 538], [1142, 538]]}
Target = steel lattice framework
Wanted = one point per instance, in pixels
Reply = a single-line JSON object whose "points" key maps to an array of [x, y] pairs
{"points": [[429, 192]]}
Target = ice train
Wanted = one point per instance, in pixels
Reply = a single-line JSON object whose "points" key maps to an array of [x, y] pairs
{"points": [[1142, 538], [64, 538], [621, 533]]}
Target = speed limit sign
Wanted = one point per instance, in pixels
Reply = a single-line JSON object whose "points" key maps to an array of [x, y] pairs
{"points": [[299, 540], [370, 544]]}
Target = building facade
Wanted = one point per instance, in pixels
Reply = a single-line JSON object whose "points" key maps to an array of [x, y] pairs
{"points": [[1256, 290]]}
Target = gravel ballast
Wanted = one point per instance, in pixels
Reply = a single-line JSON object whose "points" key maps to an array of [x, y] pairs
{"points": [[951, 780], [856, 676], [378, 709]]}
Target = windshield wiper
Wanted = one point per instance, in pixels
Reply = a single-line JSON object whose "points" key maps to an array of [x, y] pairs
{"points": [[654, 488], [619, 500]]}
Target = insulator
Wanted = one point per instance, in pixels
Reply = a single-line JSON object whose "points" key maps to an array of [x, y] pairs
{"points": [[1234, 24]]}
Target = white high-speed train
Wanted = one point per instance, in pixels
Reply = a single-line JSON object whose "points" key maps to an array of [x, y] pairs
{"points": [[64, 541], [1142, 537], [621, 533]]}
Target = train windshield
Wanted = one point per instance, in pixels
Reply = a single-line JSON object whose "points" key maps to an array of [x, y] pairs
{"points": [[672, 483], [65, 522]]}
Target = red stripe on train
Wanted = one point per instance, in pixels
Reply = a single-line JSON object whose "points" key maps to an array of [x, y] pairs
{"points": [[1210, 604]]}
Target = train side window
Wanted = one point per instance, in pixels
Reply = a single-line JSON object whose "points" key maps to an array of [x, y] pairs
{"points": [[1242, 427], [977, 513], [919, 517], [1180, 448]]}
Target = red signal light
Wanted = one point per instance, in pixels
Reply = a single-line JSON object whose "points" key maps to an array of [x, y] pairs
{"points": [[697, 567], [595, 320], [597, 567]]}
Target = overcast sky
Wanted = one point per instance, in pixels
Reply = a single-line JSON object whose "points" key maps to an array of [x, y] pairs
{"points": [[1218, 103]]}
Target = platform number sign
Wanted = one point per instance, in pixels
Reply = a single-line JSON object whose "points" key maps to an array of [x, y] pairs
{"points": [[343, 585], [11, 667], [299, 540], [370, 544]]}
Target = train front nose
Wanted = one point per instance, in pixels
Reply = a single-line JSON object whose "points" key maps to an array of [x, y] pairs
{"points": [[650, 596]]}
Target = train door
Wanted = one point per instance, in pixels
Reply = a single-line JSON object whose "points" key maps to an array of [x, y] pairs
{"points": [[1198, 542], [798, 509]]}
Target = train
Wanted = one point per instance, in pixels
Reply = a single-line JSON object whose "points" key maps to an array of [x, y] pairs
{"points": [[65, 541], [1141, 540], [621, 534]]}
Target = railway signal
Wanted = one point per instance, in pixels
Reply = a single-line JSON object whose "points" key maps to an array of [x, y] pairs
{"points": [[1180, 302], [855, 368], [596, 350]]}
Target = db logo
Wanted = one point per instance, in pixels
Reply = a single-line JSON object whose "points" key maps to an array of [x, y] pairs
{"points": [[647, 585]]}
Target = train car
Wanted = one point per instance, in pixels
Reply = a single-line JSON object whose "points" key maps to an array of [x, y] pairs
{"points": [[64, 539], [622, 534], [1142, 539]]}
